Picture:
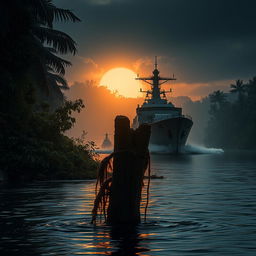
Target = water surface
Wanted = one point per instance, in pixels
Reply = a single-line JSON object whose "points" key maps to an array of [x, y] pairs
{"points": [[205, 205]]}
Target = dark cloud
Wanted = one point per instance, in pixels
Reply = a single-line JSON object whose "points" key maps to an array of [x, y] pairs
{"points": [[207, 89], [204, 40]]}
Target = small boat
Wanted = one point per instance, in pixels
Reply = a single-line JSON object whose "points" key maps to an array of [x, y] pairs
{"points": [[106, 142]]}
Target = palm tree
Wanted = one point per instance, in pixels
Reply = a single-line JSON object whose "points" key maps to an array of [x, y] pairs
{"points": [[251, 87], [45, 13], [218, 97], [29, 44], [238, 88], [251, 96]]}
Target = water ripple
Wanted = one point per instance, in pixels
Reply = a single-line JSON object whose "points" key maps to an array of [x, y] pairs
{"points": [[205, 205]]}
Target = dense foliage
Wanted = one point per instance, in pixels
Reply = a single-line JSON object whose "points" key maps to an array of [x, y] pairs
{"points": [[232, 124], [39, 150], [33, 144]]}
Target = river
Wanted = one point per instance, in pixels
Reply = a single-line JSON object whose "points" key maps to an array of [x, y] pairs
{"points": [[204, 205]]}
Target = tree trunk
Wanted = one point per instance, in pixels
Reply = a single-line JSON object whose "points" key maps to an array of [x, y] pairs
{"points": [[129, 164]]}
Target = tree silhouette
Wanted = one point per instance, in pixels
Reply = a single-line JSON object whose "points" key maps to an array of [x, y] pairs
{"points": [[217, 97], [251, 87], [33, 144], [232, 124], [29, 43], [238, 88]]}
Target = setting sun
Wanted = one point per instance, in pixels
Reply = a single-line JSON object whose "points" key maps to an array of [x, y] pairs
{"points": [[121, 80]]}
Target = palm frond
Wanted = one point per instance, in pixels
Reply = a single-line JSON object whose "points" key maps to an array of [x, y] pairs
{"points": [[64, 15], [58, 40], [51, 49], [239, 87], [49, 69], [46, 12], [58, 80], [49, 59], [56, 63]]}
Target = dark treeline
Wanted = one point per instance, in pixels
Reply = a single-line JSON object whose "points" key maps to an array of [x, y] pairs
{"points": [[225, 120], [232, 124], [199, 111], [33, 112]]}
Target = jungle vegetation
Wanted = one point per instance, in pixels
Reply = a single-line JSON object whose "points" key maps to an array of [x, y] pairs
{"points": [[232, 124], [33, 112]]}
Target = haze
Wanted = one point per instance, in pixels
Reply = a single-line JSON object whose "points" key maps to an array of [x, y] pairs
{"points": [[206, 44]]}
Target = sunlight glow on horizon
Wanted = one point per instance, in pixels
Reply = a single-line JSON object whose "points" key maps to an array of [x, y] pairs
{"points": [[123, 81]]}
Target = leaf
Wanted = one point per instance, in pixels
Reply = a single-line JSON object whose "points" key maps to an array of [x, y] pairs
{"points": [[59, 41]]}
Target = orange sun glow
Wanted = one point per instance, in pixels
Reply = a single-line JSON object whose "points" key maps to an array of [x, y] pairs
{"points": [[121, 80]]}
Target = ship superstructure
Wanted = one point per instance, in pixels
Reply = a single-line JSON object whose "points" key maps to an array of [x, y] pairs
{"points": [[168, 126]]}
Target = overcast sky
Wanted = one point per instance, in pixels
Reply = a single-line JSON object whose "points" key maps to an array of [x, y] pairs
{"points": [[201, 41]]}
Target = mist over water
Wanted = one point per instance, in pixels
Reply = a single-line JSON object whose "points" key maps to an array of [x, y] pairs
{"points": [[197, 149], [160, 149], [188, 149]]}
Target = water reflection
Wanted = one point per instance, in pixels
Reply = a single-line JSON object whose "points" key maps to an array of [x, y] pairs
{"points": [[106, 240], [205, 204], [128, 241]]}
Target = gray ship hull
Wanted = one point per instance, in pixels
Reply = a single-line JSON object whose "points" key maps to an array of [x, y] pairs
{"points": [[172, 132]]}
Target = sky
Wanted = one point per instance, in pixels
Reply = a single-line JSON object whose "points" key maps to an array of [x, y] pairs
{"points": [[207, 44], [101, 108]]}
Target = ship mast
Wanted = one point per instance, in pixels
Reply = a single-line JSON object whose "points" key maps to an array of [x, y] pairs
{"points": [[156, 81]]}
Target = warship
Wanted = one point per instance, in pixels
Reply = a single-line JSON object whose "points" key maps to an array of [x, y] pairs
{"points": [[169, 127]]}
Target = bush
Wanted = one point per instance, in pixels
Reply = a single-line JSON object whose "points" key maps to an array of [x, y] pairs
{"points": [[39, 150]]}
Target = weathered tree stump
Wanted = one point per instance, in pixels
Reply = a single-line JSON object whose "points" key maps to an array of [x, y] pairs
{"points": [[129, 165], [121, 192]]}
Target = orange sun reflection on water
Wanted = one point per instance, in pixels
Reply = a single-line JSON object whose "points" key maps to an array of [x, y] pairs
{"points": [[104, 240], [124, 246]]}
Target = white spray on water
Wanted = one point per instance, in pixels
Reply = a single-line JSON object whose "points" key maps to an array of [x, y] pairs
{"points": [[188, 149], [196, 149], [161, 149]]}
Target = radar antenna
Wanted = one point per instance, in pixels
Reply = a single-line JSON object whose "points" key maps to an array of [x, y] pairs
{"points": [[155, 83]]}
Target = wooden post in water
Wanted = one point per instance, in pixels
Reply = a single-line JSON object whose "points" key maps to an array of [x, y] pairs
{"points": [[130, 161]]}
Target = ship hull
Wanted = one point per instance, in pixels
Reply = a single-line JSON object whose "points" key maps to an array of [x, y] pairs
{"points": [[172, 133]]}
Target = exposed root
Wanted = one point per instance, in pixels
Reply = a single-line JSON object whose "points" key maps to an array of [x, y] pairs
{"points": [[104, 182], [104, 171], [101, 200], [149, 178]]}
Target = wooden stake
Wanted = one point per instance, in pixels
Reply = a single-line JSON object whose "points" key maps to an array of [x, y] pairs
{"points": [[129, 165]]}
